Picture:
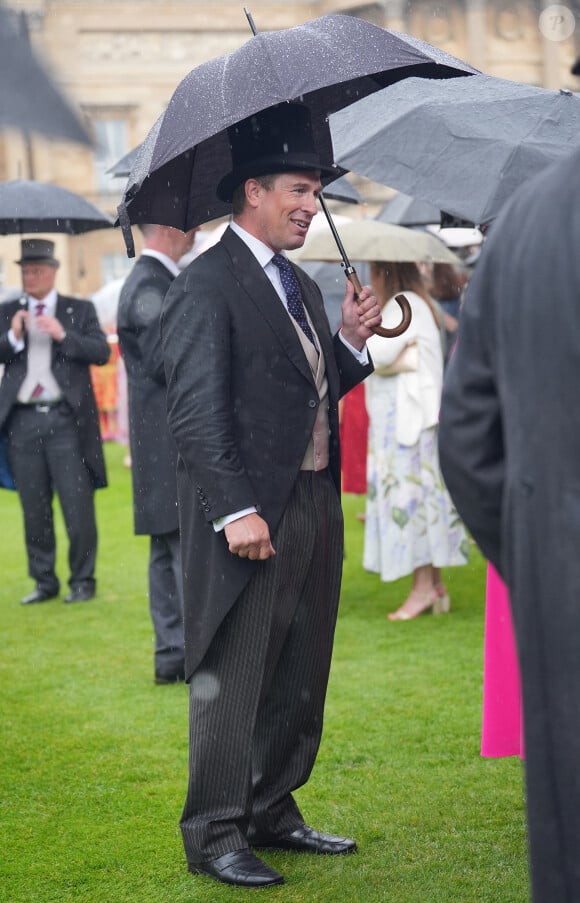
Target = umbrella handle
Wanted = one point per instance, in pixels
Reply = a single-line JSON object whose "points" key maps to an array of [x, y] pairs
{"points": [[400, 299], [352, 277]]}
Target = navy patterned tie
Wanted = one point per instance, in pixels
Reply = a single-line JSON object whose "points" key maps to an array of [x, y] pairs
{"points": [[293, 294]]}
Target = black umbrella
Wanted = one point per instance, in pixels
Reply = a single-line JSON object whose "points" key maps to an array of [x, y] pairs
{"points": [[27, 206], [339, 190], [29, 100], [463, 147], [327, 63]]}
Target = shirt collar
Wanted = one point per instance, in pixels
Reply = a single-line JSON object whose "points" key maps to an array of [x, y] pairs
{"points": [[167, 262], [261, 252], [49, 301]]}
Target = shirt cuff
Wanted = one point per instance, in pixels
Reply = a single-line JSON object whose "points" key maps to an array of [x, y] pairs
{"points": [[220, 522], [361, 356], [17, 344]]}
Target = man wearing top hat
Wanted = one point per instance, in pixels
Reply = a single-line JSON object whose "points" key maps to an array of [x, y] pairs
{"points": [[49, 420], [254, 377]]}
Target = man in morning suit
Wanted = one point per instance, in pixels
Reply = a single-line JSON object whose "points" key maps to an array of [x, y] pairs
{"points": [[153, 451], [49, 419], [509, 444], [254, 377]]}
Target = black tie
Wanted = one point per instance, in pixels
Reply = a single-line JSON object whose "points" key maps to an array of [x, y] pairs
{"points": [[293, 294]]}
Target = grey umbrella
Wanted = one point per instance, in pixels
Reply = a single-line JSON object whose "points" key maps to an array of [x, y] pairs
{"points": [[463, 145], [29, 100], [341, 190], [123, 167], [402, 210], [27, 206], [326, 63]]}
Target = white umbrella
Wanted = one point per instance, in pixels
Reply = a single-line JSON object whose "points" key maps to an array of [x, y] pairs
{"points": [[106, 301], [372, 240]]}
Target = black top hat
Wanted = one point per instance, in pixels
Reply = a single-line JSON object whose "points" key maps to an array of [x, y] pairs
{"points": [[278, 139], [37, 250]]}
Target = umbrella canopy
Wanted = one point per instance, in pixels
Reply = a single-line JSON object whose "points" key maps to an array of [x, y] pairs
{"points": [[326, 63], [123, 167], [463, 145], [341, 190], [29, 100], [27, 206], [368, 239], [402, 210]]}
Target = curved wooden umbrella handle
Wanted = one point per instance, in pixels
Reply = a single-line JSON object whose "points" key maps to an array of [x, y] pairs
{"points": [[401, 301]]}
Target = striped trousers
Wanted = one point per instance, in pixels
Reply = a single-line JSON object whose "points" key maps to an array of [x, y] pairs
{"points": [[257, 699]]}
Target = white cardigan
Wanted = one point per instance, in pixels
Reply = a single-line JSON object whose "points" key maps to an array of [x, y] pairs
{"points": [[418, 393]]}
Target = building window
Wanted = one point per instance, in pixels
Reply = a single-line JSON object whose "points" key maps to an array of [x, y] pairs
{"points": [[112, 144]]}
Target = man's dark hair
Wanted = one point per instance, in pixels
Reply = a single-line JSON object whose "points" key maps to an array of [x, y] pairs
{"points": [[239, 195]]}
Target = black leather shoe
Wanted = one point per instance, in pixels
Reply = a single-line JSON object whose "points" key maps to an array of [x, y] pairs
{"points": [[39, 595], [170, 677], [307, 840], [240, 867], [80, 594]]}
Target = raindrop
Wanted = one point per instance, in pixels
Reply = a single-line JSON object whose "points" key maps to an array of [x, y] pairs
{"points": [[205, 686]]}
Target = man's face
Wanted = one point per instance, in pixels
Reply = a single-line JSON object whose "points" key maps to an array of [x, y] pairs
{"points": [[38, 279], [285, 211]]}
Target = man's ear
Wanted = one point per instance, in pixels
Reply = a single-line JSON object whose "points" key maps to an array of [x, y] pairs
{"points": [[253, 191]]}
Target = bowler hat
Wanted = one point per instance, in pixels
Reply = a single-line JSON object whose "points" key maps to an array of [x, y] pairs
{"points": [[278, 139], [37, 250]]}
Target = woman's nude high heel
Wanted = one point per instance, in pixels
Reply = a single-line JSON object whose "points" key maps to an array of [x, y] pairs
{"points": [[418, 603]]}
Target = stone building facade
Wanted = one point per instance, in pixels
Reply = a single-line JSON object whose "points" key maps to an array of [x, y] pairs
{"points": [[119, 61]]}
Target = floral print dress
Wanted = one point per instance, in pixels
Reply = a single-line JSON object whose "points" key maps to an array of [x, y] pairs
{"points": [[410, 518]]}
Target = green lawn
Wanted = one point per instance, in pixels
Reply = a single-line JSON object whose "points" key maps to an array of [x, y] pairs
{"points": [[93, 755]]}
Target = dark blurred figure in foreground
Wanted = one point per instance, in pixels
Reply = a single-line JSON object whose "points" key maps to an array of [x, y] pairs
{"points": [[48, 415], [510, 453], [153, 451]]}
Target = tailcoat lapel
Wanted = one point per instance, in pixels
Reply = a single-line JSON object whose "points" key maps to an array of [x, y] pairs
{"points": [[256, 285]]}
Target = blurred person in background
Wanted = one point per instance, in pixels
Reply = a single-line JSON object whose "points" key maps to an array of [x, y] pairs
{"points": [[153, 450], [49, 418], [411, 525]]}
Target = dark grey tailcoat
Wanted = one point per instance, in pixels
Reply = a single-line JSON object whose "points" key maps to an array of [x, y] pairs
{"points": [[84, 344], [242, 403], [153, 451], [510, 454]]}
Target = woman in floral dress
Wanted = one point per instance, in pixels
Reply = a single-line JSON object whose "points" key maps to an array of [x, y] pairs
{"points": [[411, 524]]}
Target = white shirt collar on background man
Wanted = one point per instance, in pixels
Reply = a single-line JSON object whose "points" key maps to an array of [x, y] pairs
{"points": [[49, 303], [165, 260]]}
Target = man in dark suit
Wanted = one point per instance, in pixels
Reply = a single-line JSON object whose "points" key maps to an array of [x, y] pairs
{"points": [[510, 454], [153, 451], [49, 418], [254, 377]]}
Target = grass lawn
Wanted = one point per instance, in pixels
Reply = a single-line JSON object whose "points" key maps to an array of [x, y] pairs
{"points": [[93, 756]]}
